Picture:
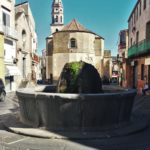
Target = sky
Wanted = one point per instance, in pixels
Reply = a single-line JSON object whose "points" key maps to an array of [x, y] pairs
{"points": [[104, 17]]}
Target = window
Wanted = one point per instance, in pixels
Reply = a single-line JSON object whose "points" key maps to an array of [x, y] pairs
{"points": [[140, 9], [148, 30], [56, 19], [9, 42], [137, 13], [6, 19], [61, 18], [142, 72], [131, 41], [137, 37], [144, 5], [73, 43], [53, 20], [23, 35]]}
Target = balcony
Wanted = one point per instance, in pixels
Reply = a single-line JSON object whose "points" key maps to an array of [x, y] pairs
{"points": [[8, 31], [139, 49]]}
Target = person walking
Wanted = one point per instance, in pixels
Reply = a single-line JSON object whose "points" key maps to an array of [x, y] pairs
{"points": [[146, 87]]}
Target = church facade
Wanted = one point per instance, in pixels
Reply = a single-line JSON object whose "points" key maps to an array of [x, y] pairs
{"points": [[69, 43]]}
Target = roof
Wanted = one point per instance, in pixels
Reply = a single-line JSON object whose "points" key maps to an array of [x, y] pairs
{"points": [[138, 1], [21, 3], [75, 26]]}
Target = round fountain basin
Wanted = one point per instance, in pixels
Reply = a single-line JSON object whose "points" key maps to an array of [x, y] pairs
{"points": [[57, 111]]}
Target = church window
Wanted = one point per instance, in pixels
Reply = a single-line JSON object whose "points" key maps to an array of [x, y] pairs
{"points": [[57, 30], [53, 20], [56, 19], [73, 43], [61, 18], [23, 35]]}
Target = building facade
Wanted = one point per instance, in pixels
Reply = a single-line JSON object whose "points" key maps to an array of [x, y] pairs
{"points": [[57, 16], [27, 58], [43, 65], [122, 58], [139, 44], [72, 42], [8, 40], [107, 65], [2, 66]]}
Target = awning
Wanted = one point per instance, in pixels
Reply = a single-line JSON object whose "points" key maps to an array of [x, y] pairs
{"points": [[12, 71]]}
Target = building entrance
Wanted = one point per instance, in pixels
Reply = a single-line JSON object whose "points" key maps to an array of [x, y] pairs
{"points": [[134, 76], [149, 73]]}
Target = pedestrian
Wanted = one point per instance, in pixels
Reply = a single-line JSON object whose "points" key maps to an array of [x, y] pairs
{"points": [[146, 87]]}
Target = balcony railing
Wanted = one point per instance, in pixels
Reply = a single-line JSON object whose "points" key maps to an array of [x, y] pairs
{"points": [[8, 31], [139, 49]]}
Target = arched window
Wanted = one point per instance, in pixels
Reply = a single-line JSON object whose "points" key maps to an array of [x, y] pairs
{"points": [[73, 43], [23, 35], [148, 30], [61, 19], [57, 30], [53, 20], [56, 19]]}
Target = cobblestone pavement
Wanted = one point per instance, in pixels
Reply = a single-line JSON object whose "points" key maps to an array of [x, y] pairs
{"points": [[136, 141]]}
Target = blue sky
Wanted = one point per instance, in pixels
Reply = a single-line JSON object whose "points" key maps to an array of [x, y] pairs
{"points": [[104, 17]]}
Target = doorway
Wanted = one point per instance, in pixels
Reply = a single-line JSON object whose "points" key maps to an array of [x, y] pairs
{"points": [[135, 77], [149, 73]]}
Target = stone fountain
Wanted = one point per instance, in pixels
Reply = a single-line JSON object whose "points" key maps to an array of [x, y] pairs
{"points": [[77, 103]]}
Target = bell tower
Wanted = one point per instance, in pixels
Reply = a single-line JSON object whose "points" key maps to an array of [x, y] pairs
{"points": [[57, 16]]}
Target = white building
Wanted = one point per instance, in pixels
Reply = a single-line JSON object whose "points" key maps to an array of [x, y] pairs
{"points": [[27, 58], [7, 26]]}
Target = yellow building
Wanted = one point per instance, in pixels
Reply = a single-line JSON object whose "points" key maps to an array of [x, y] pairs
{"points": [[2, 71]]}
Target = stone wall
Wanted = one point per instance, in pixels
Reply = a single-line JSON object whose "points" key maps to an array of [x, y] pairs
{"points": [[85, 42]]}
